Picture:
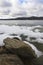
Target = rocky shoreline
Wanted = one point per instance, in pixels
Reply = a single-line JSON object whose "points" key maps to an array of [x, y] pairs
{"points": [[16, 52]]}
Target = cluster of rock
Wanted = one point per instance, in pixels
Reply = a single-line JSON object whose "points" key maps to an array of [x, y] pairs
{"points": [[16, 52]]}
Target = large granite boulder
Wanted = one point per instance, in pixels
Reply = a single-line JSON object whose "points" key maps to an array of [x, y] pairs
{"points": [[19, 47], [9, 59]]}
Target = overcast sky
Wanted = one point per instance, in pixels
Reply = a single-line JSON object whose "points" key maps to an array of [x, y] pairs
{"points": [[13, 8]]}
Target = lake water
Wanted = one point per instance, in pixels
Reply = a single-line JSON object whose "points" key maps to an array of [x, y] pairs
{"points": [[30, 31], [22, 22]]}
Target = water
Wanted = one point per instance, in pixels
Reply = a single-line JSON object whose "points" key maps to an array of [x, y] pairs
{"points": [[22, 22], [30, 31]]}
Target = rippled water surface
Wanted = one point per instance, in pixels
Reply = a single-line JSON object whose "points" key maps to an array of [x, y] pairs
{"points": [[22, 22]]}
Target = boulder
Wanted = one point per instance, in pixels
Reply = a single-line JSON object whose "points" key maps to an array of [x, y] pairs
{"points": [[9, 59], [27, 61], [2, 49], [19, 47]]}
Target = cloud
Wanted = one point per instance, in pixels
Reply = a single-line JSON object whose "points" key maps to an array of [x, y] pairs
{"points": [[5, 6], [30, 7], [33, 8], [14, 8], [5, 3]]}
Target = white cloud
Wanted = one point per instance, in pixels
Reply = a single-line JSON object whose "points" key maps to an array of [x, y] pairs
{"points": [[15, 8], [33, 8]]}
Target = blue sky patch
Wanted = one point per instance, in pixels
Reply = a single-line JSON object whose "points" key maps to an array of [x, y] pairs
{"points": [[21, 1]]}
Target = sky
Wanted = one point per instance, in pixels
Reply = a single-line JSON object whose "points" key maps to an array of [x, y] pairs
{"points": [[27, 8]]}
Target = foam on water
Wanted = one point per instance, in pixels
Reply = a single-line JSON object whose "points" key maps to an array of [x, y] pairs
{"points": [[7, 30], [38, 53]]}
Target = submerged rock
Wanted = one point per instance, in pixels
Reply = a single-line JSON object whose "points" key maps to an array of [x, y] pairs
{"points": [[8, 59], [39, 61], [23, 37], [19, 47]]}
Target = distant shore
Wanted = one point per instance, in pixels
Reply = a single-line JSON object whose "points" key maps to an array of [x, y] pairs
{"points": [[25, 18]]}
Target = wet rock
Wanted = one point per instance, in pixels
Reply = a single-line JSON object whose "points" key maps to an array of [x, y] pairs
{"points": [[23, 37], [13, 34], [16, 38], [8, 59], [1, 33], [39, 46], [19, 47], [39, 61]]}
